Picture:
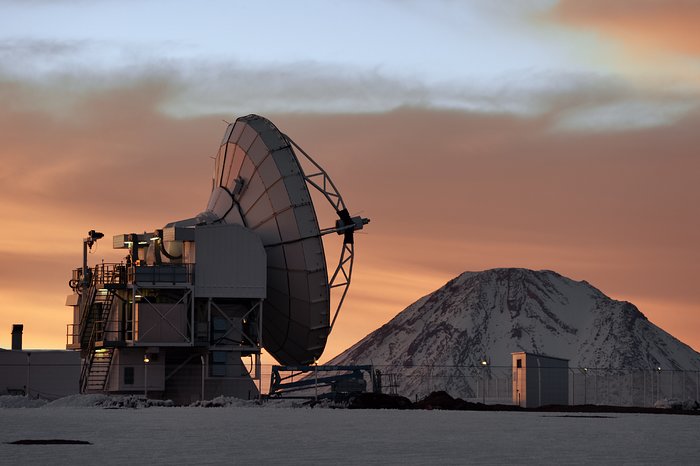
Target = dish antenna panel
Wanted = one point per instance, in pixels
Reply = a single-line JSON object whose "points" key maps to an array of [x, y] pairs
{"points": [[259, 183]]}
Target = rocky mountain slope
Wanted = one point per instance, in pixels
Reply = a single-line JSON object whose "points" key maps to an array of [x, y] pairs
{"points": [[439, 341]]}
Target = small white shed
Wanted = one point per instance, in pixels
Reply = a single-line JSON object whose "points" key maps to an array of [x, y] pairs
{"points": [[539, 380]]}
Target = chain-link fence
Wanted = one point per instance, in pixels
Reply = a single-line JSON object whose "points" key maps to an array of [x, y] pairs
{"points": [[484, 384], [633, 387], [495, 384]]}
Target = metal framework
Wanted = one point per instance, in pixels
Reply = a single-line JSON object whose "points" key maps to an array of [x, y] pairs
{"points": [[346, 226], [186, 299], [253, 344]]}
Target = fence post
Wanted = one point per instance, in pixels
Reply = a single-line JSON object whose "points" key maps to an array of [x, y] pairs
{"points": [[684, 384], [658, 384], [672, 371], [595, 388], [631, 377]]}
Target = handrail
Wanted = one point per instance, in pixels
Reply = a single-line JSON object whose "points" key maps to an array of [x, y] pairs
{"points": [[85, 308], [72, 335], [85, 370], [109, 273], [167, 273]]}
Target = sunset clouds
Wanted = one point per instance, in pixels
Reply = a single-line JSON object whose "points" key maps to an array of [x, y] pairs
{"points": [[652, 26], [567, 164]]}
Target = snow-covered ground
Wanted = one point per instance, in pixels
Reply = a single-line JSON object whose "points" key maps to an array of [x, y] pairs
{"points": [[246, 433]]}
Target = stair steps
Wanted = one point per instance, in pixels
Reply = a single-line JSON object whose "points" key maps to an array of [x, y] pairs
{"points": [[99, 370]]}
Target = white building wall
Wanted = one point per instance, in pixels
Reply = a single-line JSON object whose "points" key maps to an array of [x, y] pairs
{"points": [[48, 374], [539, 380], [129, 373]]}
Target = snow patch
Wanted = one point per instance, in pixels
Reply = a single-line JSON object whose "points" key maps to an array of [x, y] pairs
{"points": [[224, 402], [84, 401], [676, 403], [14, 401]]}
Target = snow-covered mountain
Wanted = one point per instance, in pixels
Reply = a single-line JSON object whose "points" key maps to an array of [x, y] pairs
{"points": [[441, 339]]}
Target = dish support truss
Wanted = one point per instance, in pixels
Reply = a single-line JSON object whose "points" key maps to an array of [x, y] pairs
{"points": [[345, 225]]}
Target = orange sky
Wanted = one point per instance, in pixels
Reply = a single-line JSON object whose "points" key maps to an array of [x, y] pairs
{"points": [[446, 191], [597, 180], [643, 24]]}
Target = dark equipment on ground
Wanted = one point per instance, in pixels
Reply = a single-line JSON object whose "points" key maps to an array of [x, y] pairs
{"points": [[343, 381]]}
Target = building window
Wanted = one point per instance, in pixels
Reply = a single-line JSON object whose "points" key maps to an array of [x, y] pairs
{"points": [[128, 376], [519, 363]]}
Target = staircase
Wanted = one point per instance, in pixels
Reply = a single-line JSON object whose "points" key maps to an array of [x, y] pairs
{"points": [[94, 322], [98, 373], [96, 316], [98, 359]]}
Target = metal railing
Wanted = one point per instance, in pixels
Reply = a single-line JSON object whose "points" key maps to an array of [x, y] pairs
{"points": [[597, 386], [72, 335], [173, 274], [109, 273]]}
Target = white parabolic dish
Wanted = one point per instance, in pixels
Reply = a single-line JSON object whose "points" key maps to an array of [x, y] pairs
{"points": [[259, 183]]}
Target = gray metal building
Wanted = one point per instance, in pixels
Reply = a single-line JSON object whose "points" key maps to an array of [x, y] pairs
{"points": [[150, 329], [539, 380], [47, 374]]}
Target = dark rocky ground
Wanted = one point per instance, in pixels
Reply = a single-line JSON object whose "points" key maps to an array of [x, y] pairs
{"points": [[443, 400]]}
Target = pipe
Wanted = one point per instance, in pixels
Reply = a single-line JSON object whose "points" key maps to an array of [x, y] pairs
{"points": [[17, 330]]}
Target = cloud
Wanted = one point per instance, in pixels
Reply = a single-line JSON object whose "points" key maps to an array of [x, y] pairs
{"points": [[39, 49], [188, 88], [204, 87], [645, 26], [622, 115], [63, 74]]}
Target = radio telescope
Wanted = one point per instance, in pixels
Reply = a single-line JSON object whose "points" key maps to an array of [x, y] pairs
{"points": [[199, 294], [259, 184]]}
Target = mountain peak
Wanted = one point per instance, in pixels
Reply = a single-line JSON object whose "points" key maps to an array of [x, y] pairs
{"points": [[493, 313]]}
